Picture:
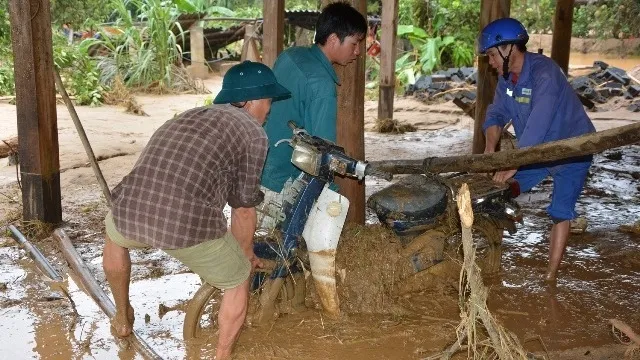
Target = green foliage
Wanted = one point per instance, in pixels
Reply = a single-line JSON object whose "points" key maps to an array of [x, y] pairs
{"points": [[77, 12], [5, 27], [79, 72], [430, 53], [143, 55], [7, 81], [535, 15]]}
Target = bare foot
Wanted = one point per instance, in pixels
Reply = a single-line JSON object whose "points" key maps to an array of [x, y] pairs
{"points": [[123, 325], [550, 276]]}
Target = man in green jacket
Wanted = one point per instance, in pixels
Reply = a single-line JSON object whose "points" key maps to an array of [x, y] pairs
{"points": [[308, 73]]}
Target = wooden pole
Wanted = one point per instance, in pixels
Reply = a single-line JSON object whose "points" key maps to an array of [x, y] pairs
{"points": [[198, 68], [250, 48], [272, 30], [83, 137], [388, 58], [489, 10], [561, 42], [350, 123], [36, 110], [551, 151]]}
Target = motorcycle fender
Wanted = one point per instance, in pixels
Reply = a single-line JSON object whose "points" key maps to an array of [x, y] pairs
{"points": [[322, 233]]}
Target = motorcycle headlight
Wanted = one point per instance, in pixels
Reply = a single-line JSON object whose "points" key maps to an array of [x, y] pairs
{"points": [[306, 158]]}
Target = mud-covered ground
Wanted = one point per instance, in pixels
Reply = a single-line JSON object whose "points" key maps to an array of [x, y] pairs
{"points": [[600, 278]]}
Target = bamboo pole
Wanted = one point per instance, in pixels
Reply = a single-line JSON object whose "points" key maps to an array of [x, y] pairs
{"points": [[83, 138], [551, 151], [94, 290]]}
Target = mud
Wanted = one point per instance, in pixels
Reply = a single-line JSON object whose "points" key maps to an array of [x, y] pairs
{"points": [[599, 279]]}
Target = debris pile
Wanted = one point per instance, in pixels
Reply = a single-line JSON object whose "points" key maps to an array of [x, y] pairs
{"points": [[606, 82], [598, 87]]}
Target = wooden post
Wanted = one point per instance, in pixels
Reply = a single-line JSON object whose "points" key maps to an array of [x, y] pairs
{"points": [[272, 30], [350, 123], [489, 10], [36, 110], [561, 41], [388, 58], [198, 68], [250, 48]]}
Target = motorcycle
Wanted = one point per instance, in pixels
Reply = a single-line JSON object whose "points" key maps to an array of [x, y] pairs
{"points": [[306, 209], [421, 210]]}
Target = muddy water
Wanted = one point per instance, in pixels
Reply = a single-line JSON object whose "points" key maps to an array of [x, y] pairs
{"points": [[600, 280], [580, 59]]}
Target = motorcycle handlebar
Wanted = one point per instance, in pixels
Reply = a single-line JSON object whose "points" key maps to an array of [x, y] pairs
{"points": [[371, 171]]}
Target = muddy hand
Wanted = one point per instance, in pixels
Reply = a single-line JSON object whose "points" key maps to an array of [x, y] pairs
{"points": [[256, 262], [503, 176]]}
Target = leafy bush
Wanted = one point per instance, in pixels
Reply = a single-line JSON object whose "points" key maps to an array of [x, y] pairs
{"points": [[79, 72], [143, 55]]}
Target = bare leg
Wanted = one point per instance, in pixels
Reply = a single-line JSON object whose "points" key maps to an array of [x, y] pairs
{"points": [[559, 235], [233, 310], [117, 266]]}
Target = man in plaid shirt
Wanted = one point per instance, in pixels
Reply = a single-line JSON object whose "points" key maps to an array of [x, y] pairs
{"points": [[173, 198]]}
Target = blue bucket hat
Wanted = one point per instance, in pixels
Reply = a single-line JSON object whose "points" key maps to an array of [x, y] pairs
{"points": [[250, 81], [502, 32]]}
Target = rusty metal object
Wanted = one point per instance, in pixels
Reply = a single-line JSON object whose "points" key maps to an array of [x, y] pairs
{"points": [[42, 262]]}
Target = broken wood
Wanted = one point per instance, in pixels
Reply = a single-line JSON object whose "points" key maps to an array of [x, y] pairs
{"points": [[8, 146], [552, 151], [93, 289]]}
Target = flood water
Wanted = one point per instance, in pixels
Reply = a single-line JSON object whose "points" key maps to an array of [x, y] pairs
{"points": [[600, 279], [578, 59]]}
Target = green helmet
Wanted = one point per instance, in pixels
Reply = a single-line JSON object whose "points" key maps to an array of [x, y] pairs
{"points": [[250, 81]]}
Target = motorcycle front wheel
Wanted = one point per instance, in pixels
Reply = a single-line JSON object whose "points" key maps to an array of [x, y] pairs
{"points": [[274, 296]]}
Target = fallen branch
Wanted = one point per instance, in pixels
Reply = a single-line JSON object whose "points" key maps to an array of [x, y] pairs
{"points": [[551, 151]]}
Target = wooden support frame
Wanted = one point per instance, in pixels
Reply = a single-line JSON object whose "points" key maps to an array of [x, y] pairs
{"points": [[388, 54], [561, 41], [350, 123], [487, 80], [36, 110], [273, 30]]}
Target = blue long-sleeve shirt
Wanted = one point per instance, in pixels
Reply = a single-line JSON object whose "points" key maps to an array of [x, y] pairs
{"points": [[313, 105], [542, 104]]}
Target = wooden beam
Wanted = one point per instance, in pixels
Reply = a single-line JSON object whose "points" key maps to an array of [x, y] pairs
{"points": [[561, 42], [388, 58], [250, 47], [36, 110], [272, 30], [489, 10], [350, 123]]}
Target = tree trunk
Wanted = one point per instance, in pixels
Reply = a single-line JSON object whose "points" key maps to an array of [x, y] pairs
{"points": [[551, 151]]}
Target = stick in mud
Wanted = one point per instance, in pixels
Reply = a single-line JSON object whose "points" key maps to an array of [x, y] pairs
{"points": [[474, 305]]}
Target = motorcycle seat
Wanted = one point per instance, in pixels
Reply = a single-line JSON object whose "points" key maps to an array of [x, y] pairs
{"points": [[413, 201]]}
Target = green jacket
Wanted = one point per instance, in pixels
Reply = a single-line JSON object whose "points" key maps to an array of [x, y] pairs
{"points": [[309, 75]]}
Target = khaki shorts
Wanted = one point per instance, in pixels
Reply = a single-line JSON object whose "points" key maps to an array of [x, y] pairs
{"points": [[219, 262]]}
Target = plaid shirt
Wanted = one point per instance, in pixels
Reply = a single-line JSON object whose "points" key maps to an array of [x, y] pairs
{"points": [[192, 166]]}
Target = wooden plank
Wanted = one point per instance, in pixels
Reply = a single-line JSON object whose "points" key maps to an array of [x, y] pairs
{"points": [[36, 110], [388, 58], [350, 124], [273, 30], [561, 42], [489, 10]]}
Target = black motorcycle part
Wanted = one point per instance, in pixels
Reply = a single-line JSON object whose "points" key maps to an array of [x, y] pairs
{"points": [[413, 201]]}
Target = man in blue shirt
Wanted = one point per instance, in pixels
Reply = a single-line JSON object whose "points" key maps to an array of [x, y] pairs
{"points": [[534, 93], [308, 73]]}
